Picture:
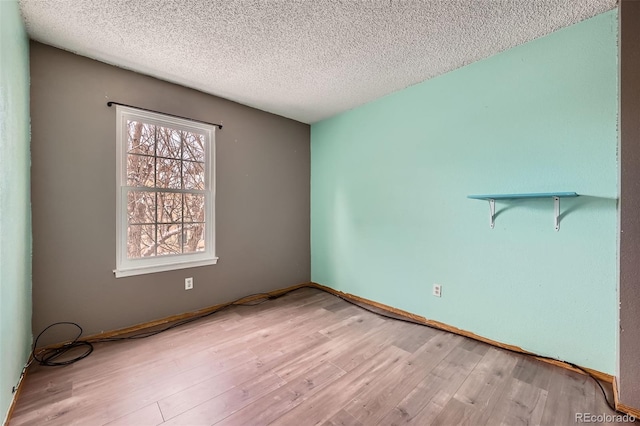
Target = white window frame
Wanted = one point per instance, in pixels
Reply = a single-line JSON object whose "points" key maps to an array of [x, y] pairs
{"points": [[128, 267]]}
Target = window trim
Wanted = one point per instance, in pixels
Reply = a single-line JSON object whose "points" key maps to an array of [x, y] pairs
{"points": [[129, 267]]}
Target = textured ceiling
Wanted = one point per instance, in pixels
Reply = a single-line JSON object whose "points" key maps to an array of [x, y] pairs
{"points": [[305, 60]]}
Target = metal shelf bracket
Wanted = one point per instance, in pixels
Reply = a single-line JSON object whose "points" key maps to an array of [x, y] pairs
{"points": [[556, 212], [492, 212]]}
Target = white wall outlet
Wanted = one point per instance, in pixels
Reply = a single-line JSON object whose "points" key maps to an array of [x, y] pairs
{"points": [[437, 290], [188, 283]]}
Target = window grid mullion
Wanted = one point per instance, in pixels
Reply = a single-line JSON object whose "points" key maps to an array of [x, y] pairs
{"points": [[171, 190], [155, 184], [166, 223], [165, 158], [182, 187]]}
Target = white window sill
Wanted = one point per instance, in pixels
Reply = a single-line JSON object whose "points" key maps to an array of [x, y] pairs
{"points": [[163, 268]]}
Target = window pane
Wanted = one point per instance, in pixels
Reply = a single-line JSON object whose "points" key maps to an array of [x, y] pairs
{"points": [[193, 175], [193, 237], [140, 241], [194, 207], [140, 137], [168, 142], [140, 171], [169, 239], [193, 147], [141, 207], [169, 207], [168, 173]]}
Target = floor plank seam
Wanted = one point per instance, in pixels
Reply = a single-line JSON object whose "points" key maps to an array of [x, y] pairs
{"points": [[161, 413]]}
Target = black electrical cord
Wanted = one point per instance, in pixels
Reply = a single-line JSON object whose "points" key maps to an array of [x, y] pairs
{"points": [[577, 367], [48, 356]]}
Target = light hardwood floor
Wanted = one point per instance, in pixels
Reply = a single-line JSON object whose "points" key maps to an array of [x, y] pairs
{"points": [[303, 359]]}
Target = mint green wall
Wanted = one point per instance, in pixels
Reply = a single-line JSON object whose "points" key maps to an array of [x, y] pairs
{"points": [[390, 215], [15, 210]]}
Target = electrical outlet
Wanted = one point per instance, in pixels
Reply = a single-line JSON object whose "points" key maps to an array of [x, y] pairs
{"points": [[188, 283], [437, 290]]}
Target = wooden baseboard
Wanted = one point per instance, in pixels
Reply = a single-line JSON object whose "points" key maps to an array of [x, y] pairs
{"points": [[622, 407], [386, 308], [608, 378], [16, 394], [188, 315], [178, 317], [628, 410]]}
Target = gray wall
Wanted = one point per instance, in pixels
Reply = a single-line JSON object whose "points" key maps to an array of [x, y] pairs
{"points": [[262, 215], [629, 374]]}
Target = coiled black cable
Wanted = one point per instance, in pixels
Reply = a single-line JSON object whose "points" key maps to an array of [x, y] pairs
{"points": [[48, 356]]}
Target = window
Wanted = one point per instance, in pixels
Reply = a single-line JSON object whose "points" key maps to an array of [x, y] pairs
{"points": [[165, 193]]}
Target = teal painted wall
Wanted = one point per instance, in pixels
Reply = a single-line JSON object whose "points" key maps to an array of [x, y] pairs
{"points": [[390, 216], [15, 208]]}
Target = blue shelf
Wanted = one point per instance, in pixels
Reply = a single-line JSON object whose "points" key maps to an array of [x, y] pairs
{"points": [[516, 196], [553, 195]]}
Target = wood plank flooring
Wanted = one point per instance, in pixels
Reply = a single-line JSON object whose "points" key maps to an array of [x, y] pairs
{"points": [[307, 358]]}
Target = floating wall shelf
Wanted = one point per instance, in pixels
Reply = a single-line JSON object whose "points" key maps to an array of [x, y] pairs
{"points": [[493, 197]]}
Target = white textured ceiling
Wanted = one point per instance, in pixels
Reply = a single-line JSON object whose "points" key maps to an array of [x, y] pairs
{"points": [[305, 60]]}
